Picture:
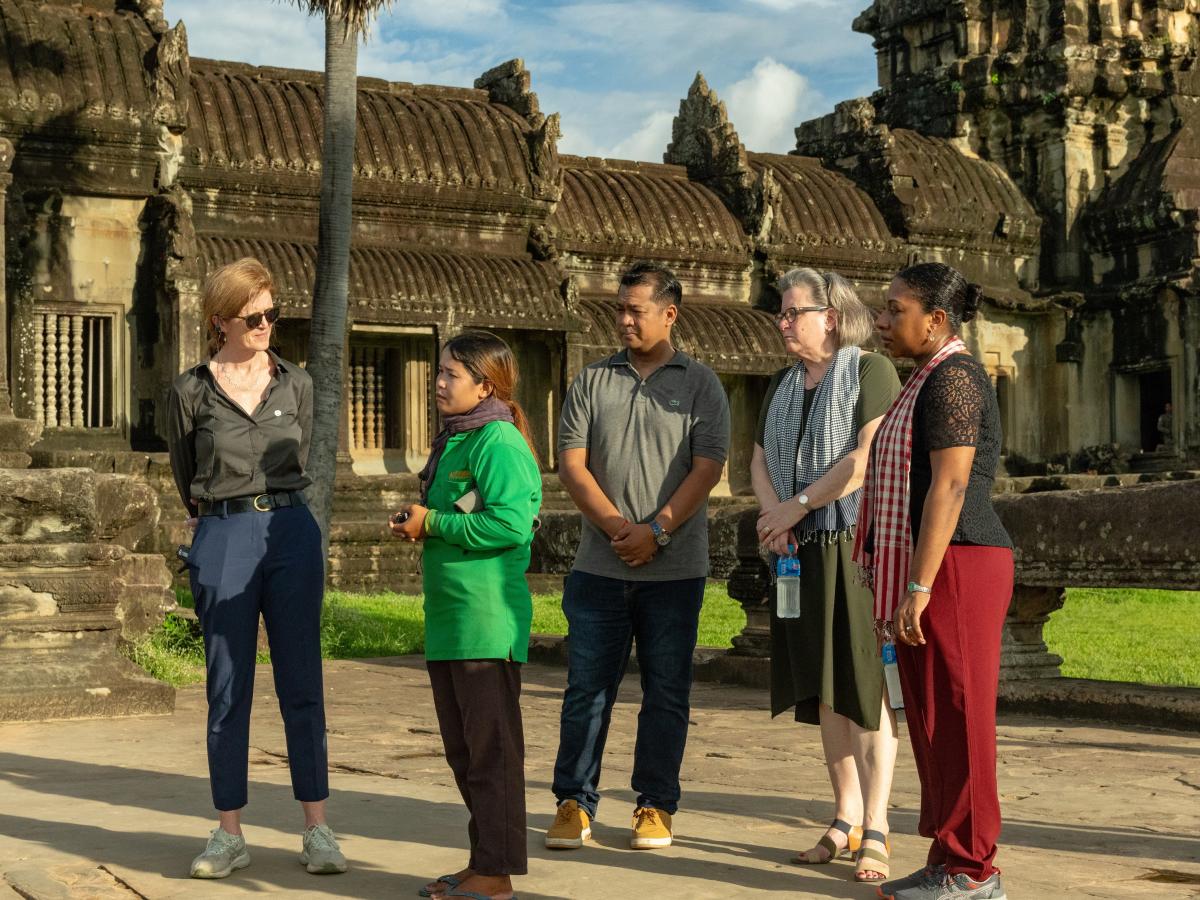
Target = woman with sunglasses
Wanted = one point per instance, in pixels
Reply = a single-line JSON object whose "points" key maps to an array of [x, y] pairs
{"points": [[814, 437], [239, 431]]}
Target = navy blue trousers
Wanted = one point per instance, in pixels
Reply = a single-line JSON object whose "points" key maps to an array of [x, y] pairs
{"points": [[242, 565], [604, 617]]}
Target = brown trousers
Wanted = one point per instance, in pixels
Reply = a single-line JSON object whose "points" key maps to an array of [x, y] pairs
{"points": [[478, 703]]}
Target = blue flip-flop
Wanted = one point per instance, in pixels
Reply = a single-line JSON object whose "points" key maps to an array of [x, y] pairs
{"points": [[450, 880]]}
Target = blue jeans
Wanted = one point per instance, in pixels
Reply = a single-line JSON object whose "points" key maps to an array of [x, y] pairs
{"points": [[604, 617]]}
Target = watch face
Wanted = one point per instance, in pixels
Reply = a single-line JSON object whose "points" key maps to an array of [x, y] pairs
{"points": [[662, 539]]}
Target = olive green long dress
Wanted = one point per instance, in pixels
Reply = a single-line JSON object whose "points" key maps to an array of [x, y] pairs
{"points": [[829, 654]]}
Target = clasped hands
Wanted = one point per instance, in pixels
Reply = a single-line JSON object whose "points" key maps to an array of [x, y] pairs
{"points": [[775, 524], [634, 544], [413, 527]]}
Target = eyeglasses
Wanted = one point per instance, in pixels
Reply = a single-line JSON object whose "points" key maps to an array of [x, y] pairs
{"points": [[791, 314], [255, 319]]}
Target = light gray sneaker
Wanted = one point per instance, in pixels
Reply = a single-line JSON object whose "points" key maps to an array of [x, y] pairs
{"points": [[321, 854], [225, 853], [955, 887]]}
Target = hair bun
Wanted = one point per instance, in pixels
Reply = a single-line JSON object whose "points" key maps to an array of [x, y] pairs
{"points": [[971, 300]]}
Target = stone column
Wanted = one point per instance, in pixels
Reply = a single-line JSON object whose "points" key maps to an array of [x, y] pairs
{"points": [[1023, 651], [16, 435], [6, 157], [750, 585]]}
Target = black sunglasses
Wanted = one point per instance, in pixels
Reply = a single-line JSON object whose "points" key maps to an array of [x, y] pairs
{"points": [[255, 319]]}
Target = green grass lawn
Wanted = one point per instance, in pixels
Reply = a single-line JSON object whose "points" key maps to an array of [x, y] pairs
{"points": [[1110, 635], [1128, 635], [356, 626]]}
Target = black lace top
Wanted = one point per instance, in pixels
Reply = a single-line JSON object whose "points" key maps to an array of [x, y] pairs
{"points": [[957, 408]]}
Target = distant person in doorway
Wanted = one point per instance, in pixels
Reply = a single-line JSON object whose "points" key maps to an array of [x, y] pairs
{"points": [[1166, 428], [480, 494], [642, 443], [239, 430], [815, 429], [942, 568]]}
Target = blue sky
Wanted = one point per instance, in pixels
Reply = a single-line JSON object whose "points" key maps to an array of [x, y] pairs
{"points": [[615, 70]]}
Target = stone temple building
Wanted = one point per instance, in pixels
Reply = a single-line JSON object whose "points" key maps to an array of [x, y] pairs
{"points": [[1046, 147]]}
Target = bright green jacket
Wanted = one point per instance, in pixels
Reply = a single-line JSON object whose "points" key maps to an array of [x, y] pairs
{"points": [[477, 603]]}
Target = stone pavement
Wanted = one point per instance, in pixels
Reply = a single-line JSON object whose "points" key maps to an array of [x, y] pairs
{"points": [[117, 808]]}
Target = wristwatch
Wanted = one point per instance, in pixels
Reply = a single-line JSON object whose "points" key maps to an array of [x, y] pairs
{"points": [[802, 499], [662, 537], [914, 588]]}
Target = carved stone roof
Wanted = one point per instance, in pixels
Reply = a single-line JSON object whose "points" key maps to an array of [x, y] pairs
{"points": [[62, 62], [731, 338], [270, 120], [943, 192], [817, 208], [648, 208], [1155, 194], [411, 287]]}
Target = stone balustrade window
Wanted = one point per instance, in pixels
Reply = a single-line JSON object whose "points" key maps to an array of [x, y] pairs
{"points": [[390, 387], [71, 382]]}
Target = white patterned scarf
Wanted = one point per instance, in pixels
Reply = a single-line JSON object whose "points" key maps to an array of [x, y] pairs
{"points": [[885, 514], [795, 460]]}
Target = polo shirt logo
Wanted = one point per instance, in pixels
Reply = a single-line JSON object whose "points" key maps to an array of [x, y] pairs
{"points": [[674, 403], [460, 475]]}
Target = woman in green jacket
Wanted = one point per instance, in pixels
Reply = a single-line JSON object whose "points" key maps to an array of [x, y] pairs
{"points": [[480, 495]]}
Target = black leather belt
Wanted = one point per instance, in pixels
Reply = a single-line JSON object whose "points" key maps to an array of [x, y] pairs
{"points": [[255, 503]]}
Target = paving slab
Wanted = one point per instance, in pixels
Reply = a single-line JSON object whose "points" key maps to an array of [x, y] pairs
{"points": [[117, 808]]}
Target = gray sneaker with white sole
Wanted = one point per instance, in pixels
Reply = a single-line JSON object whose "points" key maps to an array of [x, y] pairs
{"points": [[321, 854], [952, 887], [224, 854]]}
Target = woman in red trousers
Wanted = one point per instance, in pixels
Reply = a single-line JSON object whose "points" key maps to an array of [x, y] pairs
{"points": [[941, 565]]}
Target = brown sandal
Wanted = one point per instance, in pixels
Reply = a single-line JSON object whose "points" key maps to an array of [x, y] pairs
{"points": [[873, 861], [853, 842]]}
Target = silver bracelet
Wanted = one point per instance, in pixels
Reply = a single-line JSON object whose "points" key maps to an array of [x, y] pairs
{"points": [[914, 588]]}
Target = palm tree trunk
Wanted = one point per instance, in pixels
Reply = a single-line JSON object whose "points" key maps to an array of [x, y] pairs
{"points": [[327, 340]]}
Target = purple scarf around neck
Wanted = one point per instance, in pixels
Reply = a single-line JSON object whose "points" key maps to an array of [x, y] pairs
{"points": [[490, 409]]}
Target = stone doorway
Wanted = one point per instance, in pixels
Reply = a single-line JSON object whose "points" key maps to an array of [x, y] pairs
{"points": [[1154, 393]]}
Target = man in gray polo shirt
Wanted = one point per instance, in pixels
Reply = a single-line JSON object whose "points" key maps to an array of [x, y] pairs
{"points": [[642, 443]]}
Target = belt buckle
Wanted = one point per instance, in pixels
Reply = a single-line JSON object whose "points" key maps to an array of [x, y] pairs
{"points": [[263, 508]]}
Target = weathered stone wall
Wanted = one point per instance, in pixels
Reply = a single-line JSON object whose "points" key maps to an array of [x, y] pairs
{"points": [[72, 589]]}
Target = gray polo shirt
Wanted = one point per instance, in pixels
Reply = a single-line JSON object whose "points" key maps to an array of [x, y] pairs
{"points": [[641, 437]]}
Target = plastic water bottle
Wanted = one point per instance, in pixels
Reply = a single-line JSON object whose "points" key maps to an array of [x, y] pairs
{"points": [[891, 674], [787, 587]]}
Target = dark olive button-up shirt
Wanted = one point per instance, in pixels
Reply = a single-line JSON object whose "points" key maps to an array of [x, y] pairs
{"points": [[219, 452]]}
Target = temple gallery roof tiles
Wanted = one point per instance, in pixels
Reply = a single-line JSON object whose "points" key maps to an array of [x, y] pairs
{"points": [[649, 207], [411, 286], [64, 63], [271, 119], [942, 191], [818, 206], [731, 338]]}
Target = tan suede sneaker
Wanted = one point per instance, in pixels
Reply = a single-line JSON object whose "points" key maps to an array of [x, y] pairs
{"points": [[651, 829], [572, 826]]}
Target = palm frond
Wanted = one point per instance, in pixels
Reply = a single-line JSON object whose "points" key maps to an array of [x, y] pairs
{"points": [[357, 14]]}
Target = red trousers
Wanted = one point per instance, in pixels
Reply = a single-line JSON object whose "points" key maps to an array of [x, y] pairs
{"points": [[949, 689]]}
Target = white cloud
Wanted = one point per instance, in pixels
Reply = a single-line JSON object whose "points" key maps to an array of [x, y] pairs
{"points": [[282, 35], [648, 142], [467, 16], [767, 105]]}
